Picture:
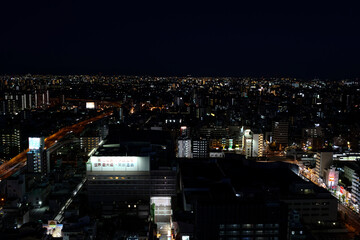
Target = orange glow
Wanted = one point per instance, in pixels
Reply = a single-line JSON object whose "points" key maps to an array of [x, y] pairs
{"points": [[13, 165]]}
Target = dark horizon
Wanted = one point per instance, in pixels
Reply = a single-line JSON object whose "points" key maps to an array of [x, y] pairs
{"points": [[301, 41]]}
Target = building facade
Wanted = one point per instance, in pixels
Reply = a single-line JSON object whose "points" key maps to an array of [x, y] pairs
{"points": [[280, 132], [184, 148], [36, 161], [323, 161]]}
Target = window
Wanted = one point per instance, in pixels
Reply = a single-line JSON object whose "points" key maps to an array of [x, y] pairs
{"points": [[247, 232], [232, 226], [247, 225], [232, 233]]}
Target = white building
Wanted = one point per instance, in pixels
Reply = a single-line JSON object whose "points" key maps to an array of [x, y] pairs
{"points": [[253, 144], [355, 189], [349, 172], [258, 145], [127, 178], [184, 149]]}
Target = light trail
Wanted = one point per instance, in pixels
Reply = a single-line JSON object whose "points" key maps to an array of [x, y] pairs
{"points": [[19, 161]]}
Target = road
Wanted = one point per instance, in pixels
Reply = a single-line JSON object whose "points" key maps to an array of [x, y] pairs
{"points": [[15, 164], [59, 217], [351, 218]]}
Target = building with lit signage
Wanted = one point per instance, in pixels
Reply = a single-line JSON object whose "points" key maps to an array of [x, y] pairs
{"points": [[331, 177], [129, 173], [184, 132], [36, 161]]}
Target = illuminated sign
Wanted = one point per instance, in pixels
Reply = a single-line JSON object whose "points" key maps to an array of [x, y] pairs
{"points": [[113, 163], [34, 143], [90, 105], [53, 228]]}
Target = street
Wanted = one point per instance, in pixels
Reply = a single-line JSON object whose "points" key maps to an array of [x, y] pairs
{"points": [[351, 219]]}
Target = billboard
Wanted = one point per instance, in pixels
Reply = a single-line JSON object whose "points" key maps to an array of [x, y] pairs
{"points": [[90, 105], [114, 163], [34, 143]]}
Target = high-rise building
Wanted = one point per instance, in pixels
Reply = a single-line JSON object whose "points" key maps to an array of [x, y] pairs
{"points": [[89, 139], [11, 103], [88, 143], [253, 144], [200, 149], [280, 133], [351, 173], [10, 141], [258, 144], [323, 161], [184, 148], [36, 161], [355, 188]]}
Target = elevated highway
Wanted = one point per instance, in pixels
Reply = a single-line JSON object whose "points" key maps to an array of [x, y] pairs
{"points": [[18, 162]]}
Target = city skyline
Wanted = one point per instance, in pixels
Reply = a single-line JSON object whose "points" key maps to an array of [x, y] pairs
{"points": [[167, 121], [136, 156]]}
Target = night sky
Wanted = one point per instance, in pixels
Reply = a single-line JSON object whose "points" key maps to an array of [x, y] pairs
{"points": [[68, 37]]}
